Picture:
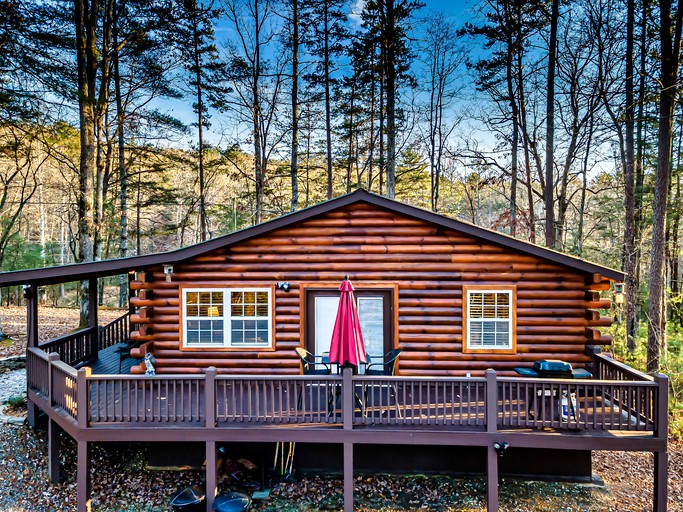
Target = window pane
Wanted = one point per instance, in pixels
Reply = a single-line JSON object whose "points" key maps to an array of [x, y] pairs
{"points": [[489, 313], [371, 315]]}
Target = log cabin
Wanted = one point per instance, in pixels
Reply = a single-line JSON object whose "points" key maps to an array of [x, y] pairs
{"points": [[465, 305]]}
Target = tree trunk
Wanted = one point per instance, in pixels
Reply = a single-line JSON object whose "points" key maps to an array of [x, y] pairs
{"points": [[390, 72], [295, 105], [670, 50], [85, 17], [256, 99], [550, 238], [328, 105], [123, 174], [203, 223], [632, 327], [629, 184]]}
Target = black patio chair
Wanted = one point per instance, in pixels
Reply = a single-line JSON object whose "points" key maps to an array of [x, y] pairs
{"points": [[124, 352], [310, 366], [386, 367]]}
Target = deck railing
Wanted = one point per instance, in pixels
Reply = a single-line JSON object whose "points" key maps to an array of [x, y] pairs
{"points": [[455, 404], [276, 399], [577, 404], [117, 331], [81, 346], [606, 368], [64, 388], [445, 402], [74, 348], [170, 399], [37, 368]]}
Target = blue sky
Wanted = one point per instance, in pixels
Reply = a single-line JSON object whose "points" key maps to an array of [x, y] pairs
{"points": [[458, 11]]}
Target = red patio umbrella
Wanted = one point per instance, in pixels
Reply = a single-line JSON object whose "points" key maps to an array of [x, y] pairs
{"points": [[347, 347]]}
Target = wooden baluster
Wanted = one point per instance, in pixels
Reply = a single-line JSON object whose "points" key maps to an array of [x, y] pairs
{"points": [[210, 397]]}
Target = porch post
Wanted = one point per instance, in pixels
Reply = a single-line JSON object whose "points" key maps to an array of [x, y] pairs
{"points": [[348, 477], [211, 475], [491, 455], [53, 434], [30, 293], [347, 415], [660, 481], [491, 479], [93, 297], [661, 458], [83, 477]]}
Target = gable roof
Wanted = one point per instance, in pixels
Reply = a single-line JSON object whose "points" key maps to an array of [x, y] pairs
{"points": [[81, 271]]}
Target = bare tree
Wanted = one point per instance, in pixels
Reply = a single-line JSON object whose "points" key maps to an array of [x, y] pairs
{"points": [[442, 59], [670, 47], [255, 82]]}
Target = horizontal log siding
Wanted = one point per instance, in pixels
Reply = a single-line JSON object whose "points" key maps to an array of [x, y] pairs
{"points": [[430, 264]]}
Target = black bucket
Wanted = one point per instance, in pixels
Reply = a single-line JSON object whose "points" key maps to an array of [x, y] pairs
{"points": [[190, 499], [231, 502]]}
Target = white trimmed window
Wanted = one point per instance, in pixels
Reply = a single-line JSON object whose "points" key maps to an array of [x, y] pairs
{"points": [[227, 318], [489, 319]]}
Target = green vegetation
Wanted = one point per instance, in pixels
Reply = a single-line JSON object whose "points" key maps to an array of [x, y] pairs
{"points": [[672, 365]]}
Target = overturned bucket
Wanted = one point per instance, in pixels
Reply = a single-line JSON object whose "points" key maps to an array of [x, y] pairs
{"points": [[231, 502], [190, 499]]}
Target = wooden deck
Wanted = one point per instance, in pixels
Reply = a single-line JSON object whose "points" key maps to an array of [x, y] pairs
{"points": [[621, 409], [107, 362]]}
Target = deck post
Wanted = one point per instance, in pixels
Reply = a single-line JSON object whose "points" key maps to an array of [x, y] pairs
{"points": [[92, 317], [53, 434], [51, 358], [31, 341], [491, 401], [211, 474], [347, 397], [210, 397], [661, 458], [347, 415], [348, 477], [491, 479], [491, 455], [82, 404], [83, 477]]}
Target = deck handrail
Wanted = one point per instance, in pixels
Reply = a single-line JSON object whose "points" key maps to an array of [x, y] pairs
{"points": [[73, 348], [454, 403], [116, 331], [608, 368], [584, 404]]}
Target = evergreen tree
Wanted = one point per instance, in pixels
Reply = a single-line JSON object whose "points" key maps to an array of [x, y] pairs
{"points": [[387, 26], [194, 36]]}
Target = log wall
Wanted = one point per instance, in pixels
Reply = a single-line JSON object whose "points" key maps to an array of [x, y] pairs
{"points": [[556, 305]]}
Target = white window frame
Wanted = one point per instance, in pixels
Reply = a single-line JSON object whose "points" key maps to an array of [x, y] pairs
{"points": [[227, 319], [511, 346]]}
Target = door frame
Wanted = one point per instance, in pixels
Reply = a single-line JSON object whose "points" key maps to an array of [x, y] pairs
{"points": [[313, 286]]}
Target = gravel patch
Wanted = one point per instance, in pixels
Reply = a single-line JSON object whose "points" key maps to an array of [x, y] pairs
{"points": [[13, 383]]}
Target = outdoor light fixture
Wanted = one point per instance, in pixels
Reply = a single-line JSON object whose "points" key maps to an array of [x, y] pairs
{"points": [[168, 271], [28, 292], [500, 448], [619, 293], [283, 286]]}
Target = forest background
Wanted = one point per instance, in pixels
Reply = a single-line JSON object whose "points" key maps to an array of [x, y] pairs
{"points": [[134, 126]]}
